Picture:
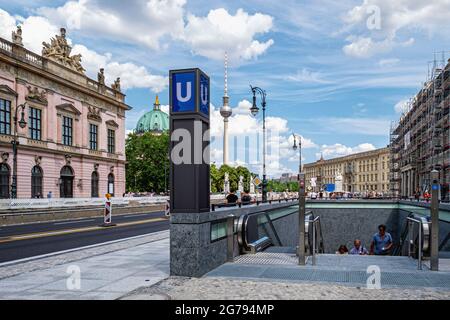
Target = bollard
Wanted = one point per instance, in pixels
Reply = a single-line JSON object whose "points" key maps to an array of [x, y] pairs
{"points": [[301, 220], [230, 238], [434, 208]]}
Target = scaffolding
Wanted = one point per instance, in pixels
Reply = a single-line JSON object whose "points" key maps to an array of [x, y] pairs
{"points": [[420, 140]]}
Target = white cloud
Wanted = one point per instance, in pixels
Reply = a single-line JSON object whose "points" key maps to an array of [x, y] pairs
{"points": [[365, 47], [365, 126], [402, 106], [36, 30], [378, 24], [307, 76], [388, 62], [143, 21], [41, 29], [152, 22], [241, 125], [7, 24], [339, 150], [225, 32]]}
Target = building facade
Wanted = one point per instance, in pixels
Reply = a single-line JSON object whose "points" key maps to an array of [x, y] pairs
{"points": [[420, 141], [71, 137], [361, 172]]}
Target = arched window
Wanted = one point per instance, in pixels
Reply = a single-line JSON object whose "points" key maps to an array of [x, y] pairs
{"points": [[66, 182], [94, 184], [111, 184], [4, 181], [36, 182]]}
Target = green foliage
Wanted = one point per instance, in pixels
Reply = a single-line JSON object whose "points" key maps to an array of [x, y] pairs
{"points": [[218, 177], [147, 166], [277, 186]]}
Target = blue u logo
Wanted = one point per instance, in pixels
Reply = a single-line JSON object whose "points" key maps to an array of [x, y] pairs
{"points": [[204, 94], [188, 95]]}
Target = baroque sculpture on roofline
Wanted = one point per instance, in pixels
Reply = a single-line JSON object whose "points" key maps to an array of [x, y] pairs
{"points": [[59, 50]]}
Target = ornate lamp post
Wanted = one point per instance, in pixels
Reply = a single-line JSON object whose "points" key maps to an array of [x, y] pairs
{"points": [[254, 110], [15, 143]]}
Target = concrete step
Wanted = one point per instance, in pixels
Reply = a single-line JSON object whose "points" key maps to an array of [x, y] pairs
{"points": [[338, 269]]}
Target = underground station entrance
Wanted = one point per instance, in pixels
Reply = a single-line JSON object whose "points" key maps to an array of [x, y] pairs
{"points": [[260, 242], [293, 240]]}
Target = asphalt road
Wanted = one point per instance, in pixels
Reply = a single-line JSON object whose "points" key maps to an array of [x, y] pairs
{"points": [[23, 241]]}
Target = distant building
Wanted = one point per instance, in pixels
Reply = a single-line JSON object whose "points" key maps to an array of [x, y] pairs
{"points": [[155, 121], [73, 142], [361, 172], [420, 141], [288, 177]]}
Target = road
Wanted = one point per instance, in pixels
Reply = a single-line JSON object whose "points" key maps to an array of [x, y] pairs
{"points": [[24, 241]]}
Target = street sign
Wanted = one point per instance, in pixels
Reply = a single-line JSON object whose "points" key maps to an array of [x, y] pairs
{"points": [[167, 210], [257, 181]]}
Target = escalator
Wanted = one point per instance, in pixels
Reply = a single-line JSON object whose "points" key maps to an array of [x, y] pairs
{"points": [[414, 237], [256, 233]]}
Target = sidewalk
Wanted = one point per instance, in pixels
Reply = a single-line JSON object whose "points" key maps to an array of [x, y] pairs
{"points": [[106, 272]]}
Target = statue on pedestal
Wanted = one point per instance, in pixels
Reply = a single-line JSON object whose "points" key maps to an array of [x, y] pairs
{"points": [[101, 77], [241, 184], [116, 85], [252, 186], [338, 182], [226, 183], [17, 36]]}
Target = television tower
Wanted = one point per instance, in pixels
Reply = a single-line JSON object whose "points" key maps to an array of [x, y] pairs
{"points": [[225, 112]]}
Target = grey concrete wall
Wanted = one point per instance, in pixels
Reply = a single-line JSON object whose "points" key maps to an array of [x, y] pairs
{"points": [[344, 225], [192, 254], [287, 229]]}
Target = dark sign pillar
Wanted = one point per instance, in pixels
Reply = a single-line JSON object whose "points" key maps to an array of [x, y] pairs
{"points": [[189, 173], [189, 147]]}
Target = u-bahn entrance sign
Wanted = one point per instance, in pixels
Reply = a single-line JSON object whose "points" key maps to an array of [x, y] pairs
{"points": [[189, 92]]}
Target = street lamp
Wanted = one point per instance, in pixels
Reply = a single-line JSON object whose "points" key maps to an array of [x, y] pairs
{"points": [[300, 150], [254, 110], [15, 143]]}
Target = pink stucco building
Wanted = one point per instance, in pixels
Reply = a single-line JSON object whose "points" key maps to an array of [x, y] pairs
{"points": [[73, 143]]}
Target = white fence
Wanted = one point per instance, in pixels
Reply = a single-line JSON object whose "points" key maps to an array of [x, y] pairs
{"points": [[6, 204], [74, 202]]}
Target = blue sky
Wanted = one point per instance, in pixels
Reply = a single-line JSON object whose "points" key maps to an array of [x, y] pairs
{"points": [[334, 72]]}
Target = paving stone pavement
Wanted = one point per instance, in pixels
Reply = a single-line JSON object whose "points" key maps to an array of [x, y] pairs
{"points": [[207, 288], [106, 272]]}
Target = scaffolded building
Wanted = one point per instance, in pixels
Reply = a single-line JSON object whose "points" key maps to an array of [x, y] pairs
{"points": [[419, 142]]}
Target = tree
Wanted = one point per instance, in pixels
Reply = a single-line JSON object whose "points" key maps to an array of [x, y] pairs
{"points": [[147, 166]]}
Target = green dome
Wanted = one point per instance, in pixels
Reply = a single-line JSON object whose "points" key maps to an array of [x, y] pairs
{"points": [[153, 121]]}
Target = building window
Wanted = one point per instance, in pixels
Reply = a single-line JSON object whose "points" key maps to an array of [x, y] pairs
{"points": [[93, 136], [5, 116], [111, 141], [36, 182], [4, 181], [67, 131], [34, 125], [94, 184], [111, 184]]}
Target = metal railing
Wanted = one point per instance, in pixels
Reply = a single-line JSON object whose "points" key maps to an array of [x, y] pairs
{"points": [[316, 245], [420, 246]]}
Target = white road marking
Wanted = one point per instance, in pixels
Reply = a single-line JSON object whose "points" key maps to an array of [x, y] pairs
{"points": [[135, 215], [70, 222]]}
